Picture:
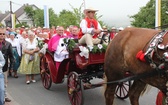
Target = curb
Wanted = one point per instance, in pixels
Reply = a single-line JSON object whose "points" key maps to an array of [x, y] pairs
{"points": [[13, 102]]}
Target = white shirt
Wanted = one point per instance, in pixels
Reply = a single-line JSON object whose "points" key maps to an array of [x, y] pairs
{"points": [[85, 29], [61, 52], [15, 43], [30, 45]]}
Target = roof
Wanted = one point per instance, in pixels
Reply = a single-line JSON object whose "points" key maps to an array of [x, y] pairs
{"points": [[2, 16], [20, 11]]}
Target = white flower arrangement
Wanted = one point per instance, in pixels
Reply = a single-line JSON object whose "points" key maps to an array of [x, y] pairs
{"points": [[84, 52], [100, 48]]}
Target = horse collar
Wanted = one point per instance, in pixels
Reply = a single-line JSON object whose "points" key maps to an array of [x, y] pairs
{"points": [[153, 46]]}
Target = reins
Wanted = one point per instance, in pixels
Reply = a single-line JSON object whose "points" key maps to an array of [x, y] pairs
{"points": [[133, 77]]}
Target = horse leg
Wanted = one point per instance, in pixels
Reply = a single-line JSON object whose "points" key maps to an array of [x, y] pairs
{"points": [[135, 91], [109, 93]]}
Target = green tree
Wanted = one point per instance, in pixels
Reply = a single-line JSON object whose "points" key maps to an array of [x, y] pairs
{"points": [[53, 18], [21, 24], [30, 12], [146, 16], [39, 18], [67, 18], [80, 15], [64, 18]]}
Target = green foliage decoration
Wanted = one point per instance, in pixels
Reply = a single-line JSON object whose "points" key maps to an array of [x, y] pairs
{"points": [[99, 48], [70, 44], [40, 43]]}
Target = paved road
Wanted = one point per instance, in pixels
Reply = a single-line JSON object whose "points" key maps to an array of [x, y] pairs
{"points": [[35, 94]]}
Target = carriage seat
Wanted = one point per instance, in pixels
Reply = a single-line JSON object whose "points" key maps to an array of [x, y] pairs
{"points": [[82, 62]]}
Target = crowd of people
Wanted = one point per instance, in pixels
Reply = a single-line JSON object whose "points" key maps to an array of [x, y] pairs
{"points": [[19, 48]]}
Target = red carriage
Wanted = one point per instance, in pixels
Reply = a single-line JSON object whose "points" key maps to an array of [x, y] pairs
{"points": [[79, 71]]}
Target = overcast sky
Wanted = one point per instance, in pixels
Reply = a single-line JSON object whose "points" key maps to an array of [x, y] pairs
{"points": [[115, 12]]}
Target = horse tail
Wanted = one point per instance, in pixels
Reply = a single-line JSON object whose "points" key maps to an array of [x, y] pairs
{"points": [[146, 89]]}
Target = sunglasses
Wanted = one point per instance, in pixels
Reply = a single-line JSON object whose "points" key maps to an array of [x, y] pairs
{"points": [[91, 11], [2, 33]]}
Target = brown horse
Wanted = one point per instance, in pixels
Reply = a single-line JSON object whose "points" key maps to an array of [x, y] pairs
{"points": [[121, 58]]}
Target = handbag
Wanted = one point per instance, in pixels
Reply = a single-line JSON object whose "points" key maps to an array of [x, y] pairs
{"points": [[31, 58]]}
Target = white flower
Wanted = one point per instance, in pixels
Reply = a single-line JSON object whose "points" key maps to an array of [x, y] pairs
{"points": [[99, 46], [84, 52], [67, 40], [90, 47]]}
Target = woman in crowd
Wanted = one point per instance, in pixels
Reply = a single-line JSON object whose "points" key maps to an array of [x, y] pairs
{"points": [[16, 53], [30, 62]]}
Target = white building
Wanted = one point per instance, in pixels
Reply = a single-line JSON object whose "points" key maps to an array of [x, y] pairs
{"points": [[20, 14]]}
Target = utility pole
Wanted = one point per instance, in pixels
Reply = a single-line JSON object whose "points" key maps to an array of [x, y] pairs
{"points": [[157, 13], [11, 7], [11, 14], [13, 17]]}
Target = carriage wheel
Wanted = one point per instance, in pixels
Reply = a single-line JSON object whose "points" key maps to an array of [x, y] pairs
{"points": [[75, 89], [45, 75], [122, 90]]}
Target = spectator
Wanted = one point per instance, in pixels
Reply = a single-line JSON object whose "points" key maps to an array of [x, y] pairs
{"points": [[16, 53], [30, 62], [90, 28], [2, 89], [120, 29], [113, 32], [52, 31], [23, 38], [105, 36], [22, 29], [6, 49], [18, 35], [74, 33]]}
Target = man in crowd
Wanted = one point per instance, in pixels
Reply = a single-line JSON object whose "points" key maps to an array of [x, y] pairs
{"points": [[74, 33], [2, 62], [113, 33], [105, 36], [6, 49], [55, 45], [90, 28]]}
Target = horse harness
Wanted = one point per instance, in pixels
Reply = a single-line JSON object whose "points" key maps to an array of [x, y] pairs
{"points": [[155, 44]]}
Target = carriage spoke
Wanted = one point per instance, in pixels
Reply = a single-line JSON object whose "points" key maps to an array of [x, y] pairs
{"points": [[74, 89], [122, 90], [45, 76]]}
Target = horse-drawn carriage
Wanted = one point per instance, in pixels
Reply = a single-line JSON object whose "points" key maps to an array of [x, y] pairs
{"points": [[79, 72], [136, 54]]}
